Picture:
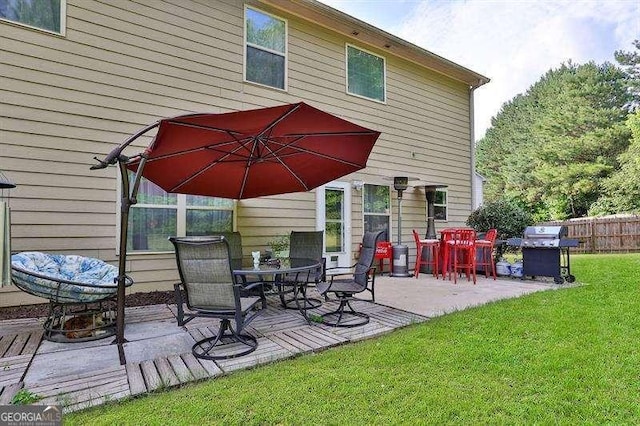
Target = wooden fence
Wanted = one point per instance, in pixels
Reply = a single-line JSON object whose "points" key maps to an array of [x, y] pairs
{"points": [[604, 235]]}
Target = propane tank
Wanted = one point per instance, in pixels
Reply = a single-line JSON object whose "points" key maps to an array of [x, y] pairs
{"points": [[503, 268], [516, 269]]}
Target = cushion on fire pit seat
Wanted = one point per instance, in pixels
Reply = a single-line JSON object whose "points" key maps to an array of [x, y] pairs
{"points": [[64, 278]]}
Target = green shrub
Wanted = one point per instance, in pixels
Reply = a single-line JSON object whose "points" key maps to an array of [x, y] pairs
{"points": [[279, 244], [504, 215], [25, 397]]}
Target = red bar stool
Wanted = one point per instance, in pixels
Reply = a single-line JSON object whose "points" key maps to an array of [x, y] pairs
{"points": [[486, 246], [434, 247], [446, 240], [462, 254]]}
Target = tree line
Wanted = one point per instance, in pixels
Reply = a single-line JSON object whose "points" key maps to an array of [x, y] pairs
{"points": [[570, 145]]}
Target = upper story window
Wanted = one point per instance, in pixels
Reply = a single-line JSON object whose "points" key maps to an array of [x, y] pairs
{"points": [[159, 215], [42, 14], [266, 49], [365, 74], [440, 205], [377, 214]]}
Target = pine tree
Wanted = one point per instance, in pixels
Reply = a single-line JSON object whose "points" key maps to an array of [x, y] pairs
{"points": [[551, 148]]}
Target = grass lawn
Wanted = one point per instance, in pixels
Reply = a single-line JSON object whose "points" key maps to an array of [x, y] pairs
{"points": [[570, 356]]}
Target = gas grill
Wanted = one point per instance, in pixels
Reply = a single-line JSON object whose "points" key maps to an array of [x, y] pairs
{"points": [[545, 252]]}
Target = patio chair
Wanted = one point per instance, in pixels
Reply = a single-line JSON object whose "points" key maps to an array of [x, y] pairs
{"points": [[308, 245], [304, 245], [205, 271], [433, 248], [485, 245], [345, 289], [234, 239], [81, 292], [461, 250]]}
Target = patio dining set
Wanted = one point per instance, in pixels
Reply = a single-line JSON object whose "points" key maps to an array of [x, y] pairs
{"points": [[457, 250], [219, 286], [215, 282]]}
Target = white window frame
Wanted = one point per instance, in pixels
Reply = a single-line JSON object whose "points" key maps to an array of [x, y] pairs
{"points": [[63, 22], [346, 73], [388, 215], [445, 205], [181, 217], [275, 52]]}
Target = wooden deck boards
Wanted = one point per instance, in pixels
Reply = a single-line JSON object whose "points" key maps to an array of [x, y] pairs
{"points": [[173, 370], [16, 351], [7, 392], [12, 344], [76, 392], [280, 333], [20, 325], [12, 368], [148, 313], [266, 352]]}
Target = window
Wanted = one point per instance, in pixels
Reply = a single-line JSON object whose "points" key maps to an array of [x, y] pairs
{"points": [[266, 49], [377, 200], [440, 205], [43, 14], [365, 74], [159, 215], [334, 220]]}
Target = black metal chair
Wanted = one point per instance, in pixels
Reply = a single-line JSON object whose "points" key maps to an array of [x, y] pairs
{"points": [[234, 239], [304, 245], [345, 289], [206, 276]]}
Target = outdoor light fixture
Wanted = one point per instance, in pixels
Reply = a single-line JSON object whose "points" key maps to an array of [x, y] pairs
{"points": [[357, 185], [5, 231], [5, 183], [400, 183]]}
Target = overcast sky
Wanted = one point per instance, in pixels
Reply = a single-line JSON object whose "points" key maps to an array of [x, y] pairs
{"points": [[513, 42]]}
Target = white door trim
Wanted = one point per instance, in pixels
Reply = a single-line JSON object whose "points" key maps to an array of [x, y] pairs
{"points": [[343, 258]]}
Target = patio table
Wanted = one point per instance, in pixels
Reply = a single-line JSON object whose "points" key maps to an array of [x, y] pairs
{"points": [[288, 276], [447, 234]]}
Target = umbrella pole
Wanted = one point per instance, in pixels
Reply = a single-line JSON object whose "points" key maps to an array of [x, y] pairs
{"points": [[129, 197], [127, 200], [122, 261]]}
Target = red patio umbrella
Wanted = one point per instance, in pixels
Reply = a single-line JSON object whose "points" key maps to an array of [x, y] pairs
{"points": [[244, 154], [247, 154]]}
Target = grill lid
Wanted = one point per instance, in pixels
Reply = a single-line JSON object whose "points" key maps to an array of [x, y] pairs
{"points": [[545, 232], [544, 237]]}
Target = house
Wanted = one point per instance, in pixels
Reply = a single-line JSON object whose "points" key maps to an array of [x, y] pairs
{"points": [[79, 82], [478, 190]]}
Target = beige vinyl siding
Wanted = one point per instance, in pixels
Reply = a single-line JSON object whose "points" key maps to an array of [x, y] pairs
{"points": [[123, 65]]}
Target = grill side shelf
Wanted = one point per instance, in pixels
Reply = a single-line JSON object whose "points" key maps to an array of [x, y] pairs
{"points": [[514, 242]]}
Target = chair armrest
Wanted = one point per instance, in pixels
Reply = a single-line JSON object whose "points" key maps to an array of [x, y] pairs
{"points": [[249, 286], [343, 267], [371, 272], [323, 276], [339, 272]]}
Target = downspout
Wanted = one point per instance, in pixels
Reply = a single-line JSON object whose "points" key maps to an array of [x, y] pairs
{"points": [[473, 147]]}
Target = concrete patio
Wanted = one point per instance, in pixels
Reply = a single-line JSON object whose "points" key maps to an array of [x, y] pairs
{"points": [[158, 352]]}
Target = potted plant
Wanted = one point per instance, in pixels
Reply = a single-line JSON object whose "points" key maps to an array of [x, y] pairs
{"points": [[280, 246]]}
